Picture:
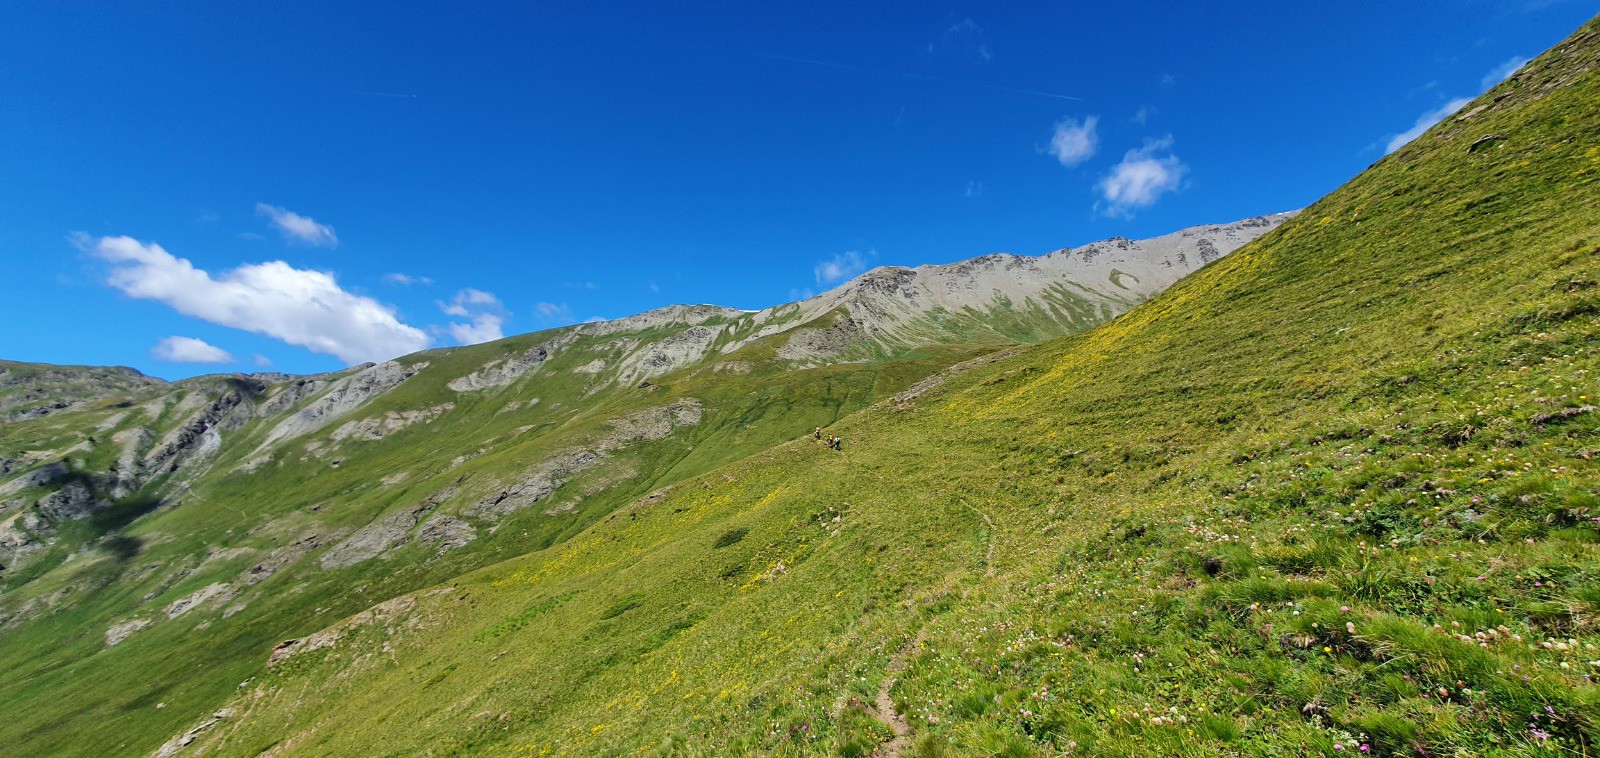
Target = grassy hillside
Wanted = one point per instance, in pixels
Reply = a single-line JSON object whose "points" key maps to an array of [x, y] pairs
{"points": [[1336, 491], [249, 547]]}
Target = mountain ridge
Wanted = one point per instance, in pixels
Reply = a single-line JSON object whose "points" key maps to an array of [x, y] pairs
{"points": [[195, 515]]}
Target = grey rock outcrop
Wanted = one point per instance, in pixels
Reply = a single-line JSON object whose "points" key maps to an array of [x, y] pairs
{"points": [[447, 532], [376, 428], [373, 539], [505, 371], [342, 396], [123, 630]]}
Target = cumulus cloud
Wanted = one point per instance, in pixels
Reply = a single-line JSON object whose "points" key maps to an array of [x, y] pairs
{"points": [[1424, 123], [485, 327], [485, 313], [467, 300], [1075, 141], [406, 280], [189, 350], [1143, 176], [842, 266], [298, 306], [298, 228]]}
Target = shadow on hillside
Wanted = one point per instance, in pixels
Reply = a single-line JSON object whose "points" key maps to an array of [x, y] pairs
{"points": [[105, 523], [122, 513]]}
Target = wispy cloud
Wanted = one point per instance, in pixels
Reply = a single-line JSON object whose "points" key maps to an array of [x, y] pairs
{"points": [[843, 266], [406, 280], [298, 228], [554, 314], [1424, 123], [1503, 71], [964, 38], [974, 189], [892, 72], [189, 350], [1075, 141], [485, 313], [1141, 178], [298, 306]]}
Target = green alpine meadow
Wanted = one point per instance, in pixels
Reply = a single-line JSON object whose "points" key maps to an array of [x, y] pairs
{"points": [[1315, 483]]}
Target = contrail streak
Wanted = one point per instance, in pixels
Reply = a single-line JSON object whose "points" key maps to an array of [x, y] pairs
{"points": [[369, 93], [881, 71]]}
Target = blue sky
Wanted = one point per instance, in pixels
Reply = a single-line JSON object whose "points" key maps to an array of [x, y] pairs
{"points": [[203, 187]]}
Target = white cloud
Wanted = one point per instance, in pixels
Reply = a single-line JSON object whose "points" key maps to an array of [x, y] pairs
{"points": [[298, 228], [554, 314], [1143, 115], [1503, 71], [261, 360], [1141, 178], [974, 189], [189, 350], [1425, 122], [842, 266], [655, 287], [486, 314], [485, 327], [1075, 141], [300, 307], [406, 280]]}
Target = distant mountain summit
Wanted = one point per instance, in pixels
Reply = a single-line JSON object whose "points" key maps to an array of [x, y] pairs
{"points": [[993, 299], [1001, 297]]}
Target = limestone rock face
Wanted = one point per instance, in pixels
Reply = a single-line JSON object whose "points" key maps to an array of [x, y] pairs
{"points": [[895, 307]]}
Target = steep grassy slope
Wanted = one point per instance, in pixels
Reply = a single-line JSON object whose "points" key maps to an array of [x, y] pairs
{"points": [[1336, 491]]}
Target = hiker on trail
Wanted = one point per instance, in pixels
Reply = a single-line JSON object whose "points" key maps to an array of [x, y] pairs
{"points": [[838, 442], [818, 433]]}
